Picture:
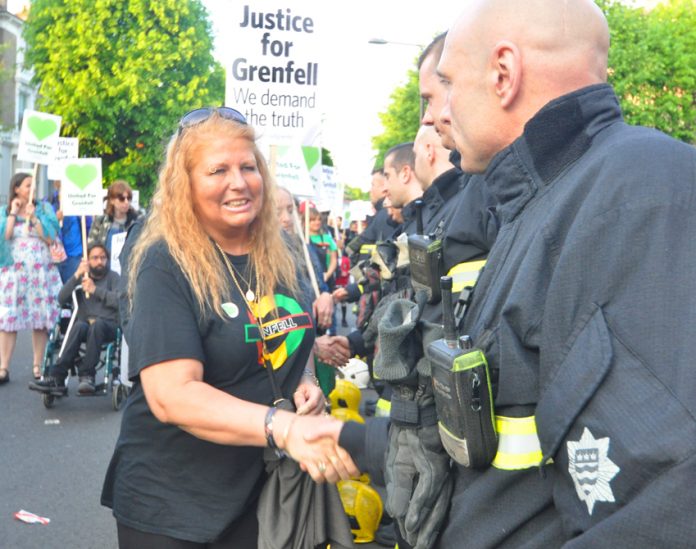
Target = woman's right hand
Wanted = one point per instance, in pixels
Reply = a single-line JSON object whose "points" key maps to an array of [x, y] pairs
{"points": [[15, 206], [323, 458]]}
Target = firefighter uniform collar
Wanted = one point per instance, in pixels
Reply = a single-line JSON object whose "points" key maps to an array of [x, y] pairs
{"points": [[552, 140], [444, 185], [442, 189]]}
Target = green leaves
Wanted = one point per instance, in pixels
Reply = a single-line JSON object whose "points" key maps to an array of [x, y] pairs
{"points": [[121, 74], [402, 118], [652, 64]]}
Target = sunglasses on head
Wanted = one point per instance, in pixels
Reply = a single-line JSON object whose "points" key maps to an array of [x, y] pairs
{"points": [[124, 197], [197, 116]]}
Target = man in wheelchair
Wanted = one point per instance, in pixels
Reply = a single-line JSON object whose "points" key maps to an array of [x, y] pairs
{"points": [[95, 324]]}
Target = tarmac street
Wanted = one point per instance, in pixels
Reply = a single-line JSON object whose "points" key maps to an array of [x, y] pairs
{"points": [[52, 463]]}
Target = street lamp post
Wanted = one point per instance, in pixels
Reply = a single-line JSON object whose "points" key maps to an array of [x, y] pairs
{"points": [[382, 41]]}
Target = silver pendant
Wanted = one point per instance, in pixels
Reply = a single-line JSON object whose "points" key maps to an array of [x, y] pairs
{"points": [[250, 295]]}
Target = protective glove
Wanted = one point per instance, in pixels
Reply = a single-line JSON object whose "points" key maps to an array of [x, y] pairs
{"points": [[399, 350], [419, 483]]}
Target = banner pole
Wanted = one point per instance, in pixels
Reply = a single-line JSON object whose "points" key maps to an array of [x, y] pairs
{"points": [[32, 192], [83, 225], [305, 250], [274, 156]]}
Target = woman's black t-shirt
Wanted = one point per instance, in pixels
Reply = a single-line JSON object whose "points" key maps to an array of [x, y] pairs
{"points": [[162, 479]]}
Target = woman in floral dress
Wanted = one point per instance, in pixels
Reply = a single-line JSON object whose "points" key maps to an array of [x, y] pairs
{"points": [[29, 282]]}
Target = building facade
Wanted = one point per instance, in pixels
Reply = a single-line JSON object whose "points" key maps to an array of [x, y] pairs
{"points": [[17, 93]]}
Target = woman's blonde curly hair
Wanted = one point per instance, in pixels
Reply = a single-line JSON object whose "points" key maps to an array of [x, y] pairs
{"points": [[173, 220]]}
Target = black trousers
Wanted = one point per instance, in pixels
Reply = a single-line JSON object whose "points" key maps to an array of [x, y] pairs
{"points": [[95, 334], [241, 534]]}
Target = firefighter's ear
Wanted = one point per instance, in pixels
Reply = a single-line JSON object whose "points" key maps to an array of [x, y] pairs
{"points": [[405, 173], [506, 72]]}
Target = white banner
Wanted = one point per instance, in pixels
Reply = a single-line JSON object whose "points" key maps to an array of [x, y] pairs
{"points": [[273, 79], [81, 190], [298, 169], [38, 137], [330, 192], [67, 148]]}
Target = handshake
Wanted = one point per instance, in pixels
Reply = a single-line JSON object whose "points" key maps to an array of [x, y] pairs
{"points": [[311, 436], [312, 441], [332, 350]]}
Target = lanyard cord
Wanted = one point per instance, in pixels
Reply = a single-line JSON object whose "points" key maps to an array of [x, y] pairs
{"points": [[277, 395]]}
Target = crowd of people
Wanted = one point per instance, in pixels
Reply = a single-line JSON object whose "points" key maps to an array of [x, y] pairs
{"points": [[524, 297], [40, 249]]}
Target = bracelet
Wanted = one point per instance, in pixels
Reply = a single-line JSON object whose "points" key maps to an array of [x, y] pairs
{"points": [[268, 428], [310, 374], [11, 215]]}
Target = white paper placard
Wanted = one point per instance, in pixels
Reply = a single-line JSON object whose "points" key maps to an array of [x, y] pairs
{"points": [[38, 137], [117, 242], [124, 363], [135, 203], [81, 189], [67, 148]]}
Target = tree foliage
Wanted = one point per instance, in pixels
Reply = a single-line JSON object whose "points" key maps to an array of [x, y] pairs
{"points": [[401, 119], [652, 66], [326, 158], [121, 73], [355, 193]]}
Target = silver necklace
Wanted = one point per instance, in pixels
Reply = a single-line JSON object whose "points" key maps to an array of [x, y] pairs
{"points": [[249, 295]]}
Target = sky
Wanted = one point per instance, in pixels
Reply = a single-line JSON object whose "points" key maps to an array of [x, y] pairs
{"points": [[357, 78]]}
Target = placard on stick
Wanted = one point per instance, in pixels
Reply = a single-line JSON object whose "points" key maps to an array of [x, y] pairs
{"points": [[67, 148], [81, 190], [38, 137]]}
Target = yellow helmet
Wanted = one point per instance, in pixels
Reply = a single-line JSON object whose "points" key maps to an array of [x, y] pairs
{"points": [[346, 414], [363, 506], [345, 395]]}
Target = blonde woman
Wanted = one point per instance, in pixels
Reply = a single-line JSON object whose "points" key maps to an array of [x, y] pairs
{"points": [[215, 302]]}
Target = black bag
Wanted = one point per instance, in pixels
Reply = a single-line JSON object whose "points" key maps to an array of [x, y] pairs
{"points": [[294, 512]]}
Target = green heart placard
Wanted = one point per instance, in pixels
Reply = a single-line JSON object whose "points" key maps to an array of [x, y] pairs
{"points": [[81, 175], [41, 127]]}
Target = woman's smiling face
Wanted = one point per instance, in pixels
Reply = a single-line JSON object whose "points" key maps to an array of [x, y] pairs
{"points": [[227, 189]]}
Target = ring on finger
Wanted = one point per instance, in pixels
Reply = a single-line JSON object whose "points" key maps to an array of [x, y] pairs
{"points": [[322, 467]]}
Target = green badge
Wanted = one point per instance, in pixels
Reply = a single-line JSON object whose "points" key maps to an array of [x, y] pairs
{"points": [[231, 310]]}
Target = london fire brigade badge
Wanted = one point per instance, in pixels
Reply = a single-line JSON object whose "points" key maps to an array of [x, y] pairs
{"points": [[591, 469]]}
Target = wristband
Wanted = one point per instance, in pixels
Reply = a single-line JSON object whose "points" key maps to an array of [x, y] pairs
{"points": [[11, 215], [268, 428]]}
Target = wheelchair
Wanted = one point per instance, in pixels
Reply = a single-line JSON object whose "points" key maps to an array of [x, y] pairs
{"points": [[109, 360]]}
